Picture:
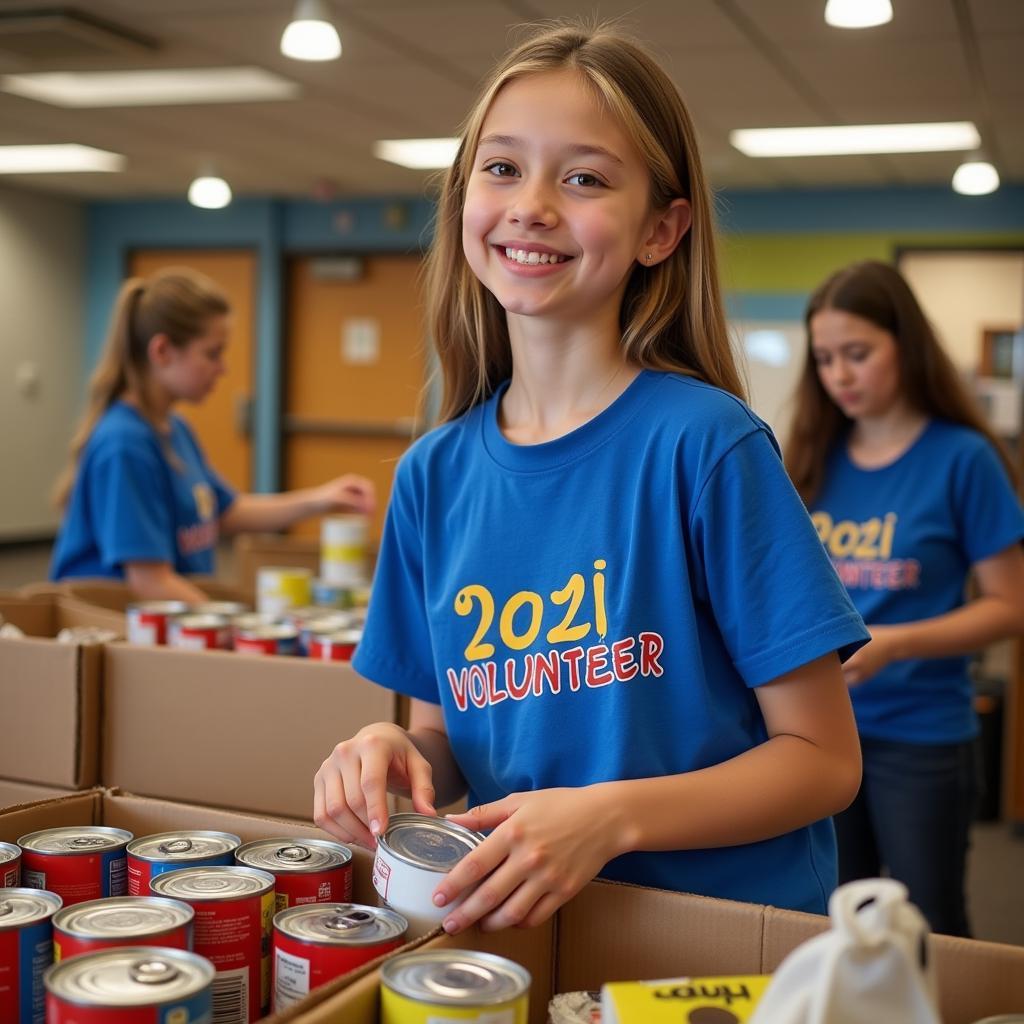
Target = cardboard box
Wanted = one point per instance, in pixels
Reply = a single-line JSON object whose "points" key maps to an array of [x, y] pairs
{"points": [[143, 816], [50, 695], [226, 729], [253, 550], [14, 793], [615, 932]]}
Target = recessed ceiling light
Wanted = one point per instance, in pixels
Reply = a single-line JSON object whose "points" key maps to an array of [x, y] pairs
{"points": [[844, 140], [57, 159], [151, 88], [421, 154], [858, 13]]}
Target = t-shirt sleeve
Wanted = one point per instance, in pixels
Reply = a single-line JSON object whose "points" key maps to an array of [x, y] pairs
{"points": [[761, 567], [988, 512], [131, 510], [396, 650]]}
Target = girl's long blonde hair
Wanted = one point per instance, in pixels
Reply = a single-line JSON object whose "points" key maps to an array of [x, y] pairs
{"points": [[672, 316], [178, 302], [878, 293]]}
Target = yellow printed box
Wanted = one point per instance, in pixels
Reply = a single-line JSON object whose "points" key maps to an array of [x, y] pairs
{"points": [[724, 1000]]}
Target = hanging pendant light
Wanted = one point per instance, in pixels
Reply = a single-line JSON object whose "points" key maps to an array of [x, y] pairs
{"points": [[209, 192], [976, 176], [311, 35], [858, 13]]}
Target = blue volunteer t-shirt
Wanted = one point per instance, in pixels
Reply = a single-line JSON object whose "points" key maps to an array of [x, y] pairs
{"points": [[903, 539], [599, 608], [130, 504]]}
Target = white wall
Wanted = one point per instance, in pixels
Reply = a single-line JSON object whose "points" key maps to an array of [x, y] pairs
{"points": [[41, 318], [771, 354]]}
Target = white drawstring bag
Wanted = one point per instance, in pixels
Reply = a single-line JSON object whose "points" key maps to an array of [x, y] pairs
{"points": [[871, 968]]}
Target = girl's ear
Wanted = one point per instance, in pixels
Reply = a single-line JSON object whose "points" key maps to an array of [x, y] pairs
{"points": [[667, 231], [159, 350]]}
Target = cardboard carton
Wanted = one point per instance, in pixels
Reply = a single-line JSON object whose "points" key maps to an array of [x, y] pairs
{"points": [[14, 793], [613, 932], [50, 693], [227, 729], [253, 550]]}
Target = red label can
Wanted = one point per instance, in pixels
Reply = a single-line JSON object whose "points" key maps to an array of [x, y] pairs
{"points": [[121, 921], [77, 863], [131, 985], [278, 639], [10, 866], [26, 950], [147, 620], [152, 855], [338, 646], [206, 632], [304, 870], [234, 907], [313, 945]]}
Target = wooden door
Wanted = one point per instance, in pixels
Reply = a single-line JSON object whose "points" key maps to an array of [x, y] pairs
{"points": [[220, 422], [355, 371]]}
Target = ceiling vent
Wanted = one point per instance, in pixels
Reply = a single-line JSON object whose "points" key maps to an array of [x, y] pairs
{"points": [[55, 35]]}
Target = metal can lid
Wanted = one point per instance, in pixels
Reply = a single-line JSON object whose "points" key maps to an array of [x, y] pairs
{"points": [[340, 924], [200, 620], [9, 852], [159, 607], [253, 620], [185, 845], [229, 609], [75, 839], [324, 625], [342, 637], [19, 907], [293, 856], [123, 917], [432, 843], [229, 882], [129, 976], [271, 631], [307, 615], [455, 977]]}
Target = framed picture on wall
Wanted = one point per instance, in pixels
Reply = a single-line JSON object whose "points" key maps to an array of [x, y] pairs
{"points": [[1002, 352]]}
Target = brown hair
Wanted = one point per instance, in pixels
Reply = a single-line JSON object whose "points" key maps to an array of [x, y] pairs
{"points": [[178, 302], [672, 317], [930, 382]]}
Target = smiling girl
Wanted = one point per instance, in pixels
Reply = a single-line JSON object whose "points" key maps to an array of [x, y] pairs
{"points": [[611, 612], [141, 502], [911, 494]]}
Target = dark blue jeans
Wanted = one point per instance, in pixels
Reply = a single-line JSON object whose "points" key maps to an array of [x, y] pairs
{"points": [[912, 818]]}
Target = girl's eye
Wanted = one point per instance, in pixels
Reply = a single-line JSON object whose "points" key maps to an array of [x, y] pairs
{"points": [[500, 169], [584, 179]]}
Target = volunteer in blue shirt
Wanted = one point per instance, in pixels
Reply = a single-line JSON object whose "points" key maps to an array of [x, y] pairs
{"points": [[605, 599], [141, 502], [911, 495]]}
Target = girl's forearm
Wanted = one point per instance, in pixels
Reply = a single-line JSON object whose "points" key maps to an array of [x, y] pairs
{"points": [[968, 629], [781, 785], [255, 512], [449, 785]]}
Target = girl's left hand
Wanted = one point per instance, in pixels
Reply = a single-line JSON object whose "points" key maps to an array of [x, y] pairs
{"points": [[873, 656], [348, 493], [545, 847]]}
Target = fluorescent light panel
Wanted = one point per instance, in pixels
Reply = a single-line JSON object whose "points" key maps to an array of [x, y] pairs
{"points": [[421, 154], [57, 159], [152, 87], [845, 140]]}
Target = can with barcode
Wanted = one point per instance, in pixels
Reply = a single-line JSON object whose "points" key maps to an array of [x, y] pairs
{"points": [[449, 984], [413, 854], [26, 950], [277, 639], [234, 908], [314, 945], [150, 856], [78, 863], [196, 631], [131, 985], [147, 620], [304, 870], [10, 866], [121, 921]]}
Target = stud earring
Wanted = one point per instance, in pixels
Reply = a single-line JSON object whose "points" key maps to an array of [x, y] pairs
{"points": [[649, 257]]}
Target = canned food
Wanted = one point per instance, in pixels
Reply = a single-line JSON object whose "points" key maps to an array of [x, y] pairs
{"points": [[314, 945], [199, 632], [147, 620], [26, 950], [132, 985], [304, 619], [338, 646], [412, 855], [279, 588], [277, 639], [166, 851], [432, 985], [304, 870], [228, 609], [10, 865], [121, 921], [343, 550], [234, 907], [77, 863], [331, 595]]}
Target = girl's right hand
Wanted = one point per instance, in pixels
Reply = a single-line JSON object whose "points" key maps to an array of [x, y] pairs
{"points": [[351, 787]]}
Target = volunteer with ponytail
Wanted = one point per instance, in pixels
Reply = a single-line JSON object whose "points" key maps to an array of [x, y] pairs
{"points": [[141, 502]]}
